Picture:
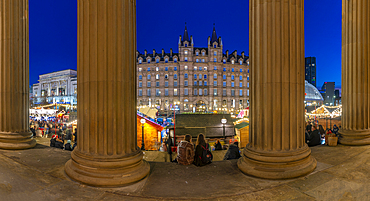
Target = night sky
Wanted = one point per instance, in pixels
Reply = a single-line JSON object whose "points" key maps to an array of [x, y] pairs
{"points": [[53, 31]]}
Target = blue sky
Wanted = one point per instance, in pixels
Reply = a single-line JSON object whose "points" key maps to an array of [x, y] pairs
{"points": [[53, 31]]}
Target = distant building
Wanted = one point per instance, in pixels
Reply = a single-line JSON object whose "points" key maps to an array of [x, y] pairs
{"points": [[310, 70], [328, 91], [337, 97], [312, 95], [196, 79], [57, 87]]}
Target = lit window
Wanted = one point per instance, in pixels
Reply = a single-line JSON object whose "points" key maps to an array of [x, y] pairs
{"points": [[215, 76], [205, 68], [232, 61], [175, 92], [185, 52], [140, 69], [195, 68], [215, 92], [186, 67], [157, 77]]}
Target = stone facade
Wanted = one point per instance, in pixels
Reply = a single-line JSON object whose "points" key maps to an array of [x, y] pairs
{"points": [[56, 87], [196, 79]]}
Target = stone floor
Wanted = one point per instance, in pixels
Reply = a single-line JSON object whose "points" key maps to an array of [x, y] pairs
{"points": [[343, 173]]}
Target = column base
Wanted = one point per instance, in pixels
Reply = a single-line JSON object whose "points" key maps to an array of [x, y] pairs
{"points": [[275, 164], [16, 141], [354, 137], [107, 171]]}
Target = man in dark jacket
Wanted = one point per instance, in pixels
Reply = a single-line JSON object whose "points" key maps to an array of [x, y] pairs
{"points": [[59, 143], [335, 129], [52, 142], [68, 146], [232, 152], [314, 138]]}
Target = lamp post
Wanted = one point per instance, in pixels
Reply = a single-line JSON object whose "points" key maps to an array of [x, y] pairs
{"points": [[223, 121], [142, 121]]}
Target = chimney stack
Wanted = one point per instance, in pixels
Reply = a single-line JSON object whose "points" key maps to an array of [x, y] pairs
{"points": [[236, 54], [162, 52], [145, 52], [227, 53], [243, 54], [171, 52], [153, 53]]}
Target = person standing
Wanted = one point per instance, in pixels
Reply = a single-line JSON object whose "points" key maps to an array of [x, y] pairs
{"points": [[169, 145]]}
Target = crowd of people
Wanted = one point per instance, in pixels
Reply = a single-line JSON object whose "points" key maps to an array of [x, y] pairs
{"points": [[315, 135], [199, 154], [61, 135]]}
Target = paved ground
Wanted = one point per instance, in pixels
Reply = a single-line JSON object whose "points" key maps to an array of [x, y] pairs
{"points": [[343, 173]]}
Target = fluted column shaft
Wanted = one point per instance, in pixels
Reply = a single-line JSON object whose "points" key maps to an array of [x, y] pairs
{"points": [[107, 95], [355, 73], [277, 149], [14, 76]]}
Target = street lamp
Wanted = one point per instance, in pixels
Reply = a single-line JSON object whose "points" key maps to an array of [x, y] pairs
{"points": [[142, 121], [224, 121]]}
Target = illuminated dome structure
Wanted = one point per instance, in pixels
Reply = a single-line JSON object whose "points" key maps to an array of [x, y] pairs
{"points": [[313, 96]]}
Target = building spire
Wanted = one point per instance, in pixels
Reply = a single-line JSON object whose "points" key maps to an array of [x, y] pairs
{"points": [[186, 34], [214, 35]]}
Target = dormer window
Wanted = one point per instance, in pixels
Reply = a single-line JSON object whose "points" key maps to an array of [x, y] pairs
{"points": [[166, 60], [241, 62], [175, 60], [157, 60], [214, 45], [203, 60], [197, 53], [186, 45], [148, 61], [203, 53], [156, 68], [140, 61], [197, 60], [232, 62], [224, 61], [186, 59]]}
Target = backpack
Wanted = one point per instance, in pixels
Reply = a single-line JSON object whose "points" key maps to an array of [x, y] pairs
{"points": [[206, 155]]}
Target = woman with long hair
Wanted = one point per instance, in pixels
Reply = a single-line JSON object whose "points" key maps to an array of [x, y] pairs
{"points": [[202, 154]]}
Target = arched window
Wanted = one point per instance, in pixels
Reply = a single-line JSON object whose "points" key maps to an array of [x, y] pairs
{"points": [[241, 78], [148, 68], [140, 77], [215, 76], [166, 60], [175, 60], [224, 61], [148, 77], [197, 60], [157, 60], [224, 77], [175, 76], [166, 76], [205, 76], [241, 62], [232, 77], [185, 75], [241, 70], [148, 61], [195, 68], [232, 70], [165, 68], [157, 77], [200, 76], [195, 76], [203, 60]]}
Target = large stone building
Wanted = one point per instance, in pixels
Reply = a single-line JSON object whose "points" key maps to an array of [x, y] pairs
{"points": [[57, 87], [196, 79]]}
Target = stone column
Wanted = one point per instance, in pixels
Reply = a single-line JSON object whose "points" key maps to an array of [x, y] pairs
{"points": [[277, 148], [355, 73], [14, 76], [107, 152]]}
